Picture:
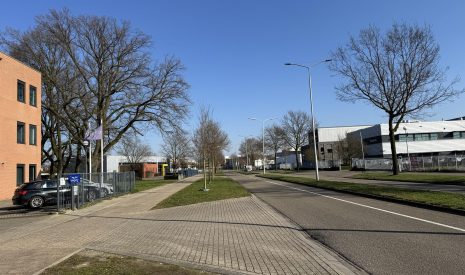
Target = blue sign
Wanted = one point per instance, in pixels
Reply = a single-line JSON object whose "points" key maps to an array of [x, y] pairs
{"points": [[74, 179]]}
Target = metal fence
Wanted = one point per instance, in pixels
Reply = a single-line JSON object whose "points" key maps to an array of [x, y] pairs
{"points": [[91, 187], [423, 163]]}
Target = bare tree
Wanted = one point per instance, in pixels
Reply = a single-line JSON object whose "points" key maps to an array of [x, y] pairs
{"points": [[397, 72], [296, 126], [209, 140], [98, 70], [177, 147], [348, 147], [274, 140], [251, 147], [133, 149]]}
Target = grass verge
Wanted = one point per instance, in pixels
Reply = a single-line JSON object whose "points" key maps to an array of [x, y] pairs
{"points": [[94, 262], [142, 185], [431, 198], [220, 188], [414, 177]]}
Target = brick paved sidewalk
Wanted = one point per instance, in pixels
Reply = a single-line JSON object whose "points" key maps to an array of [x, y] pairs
{"points": [[230, 236]]}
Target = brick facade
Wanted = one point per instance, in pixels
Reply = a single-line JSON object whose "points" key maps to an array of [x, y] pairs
{"points": [[18, 110]]}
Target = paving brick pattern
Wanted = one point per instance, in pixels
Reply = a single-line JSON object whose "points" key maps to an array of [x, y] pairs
{"points": [[240, 235], [237, 234]]}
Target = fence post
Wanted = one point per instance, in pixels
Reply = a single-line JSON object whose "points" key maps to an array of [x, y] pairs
{"points": [[114, 183]]}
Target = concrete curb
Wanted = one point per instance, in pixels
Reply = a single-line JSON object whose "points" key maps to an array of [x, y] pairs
{"points": [[59, 261]]}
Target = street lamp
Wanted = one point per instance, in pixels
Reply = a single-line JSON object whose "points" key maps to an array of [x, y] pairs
{"points": [[311, 107], [85, 143], [263, 137], [406, 143]]}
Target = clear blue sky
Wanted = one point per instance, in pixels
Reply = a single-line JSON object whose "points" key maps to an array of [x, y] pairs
{"points": [[234, 51]]}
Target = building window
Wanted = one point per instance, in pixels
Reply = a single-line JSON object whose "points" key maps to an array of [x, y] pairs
{"points": [[458, 135], [32, 95], [21, 133], [32, 172], [32, 134], [19, 174], [21, 91], [433, 136]]}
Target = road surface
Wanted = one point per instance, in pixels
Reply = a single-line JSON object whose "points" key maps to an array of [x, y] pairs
{"points": [[379, 237]]}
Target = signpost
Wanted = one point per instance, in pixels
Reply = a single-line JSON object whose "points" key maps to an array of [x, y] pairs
{"points": [[74, 180]]}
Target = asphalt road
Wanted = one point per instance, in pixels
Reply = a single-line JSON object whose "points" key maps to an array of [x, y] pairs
{"points": [[377, 236]]}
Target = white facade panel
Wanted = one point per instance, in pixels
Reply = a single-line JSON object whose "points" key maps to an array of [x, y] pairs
{"points": [[333, 134], [430, 146], [426, 127]]}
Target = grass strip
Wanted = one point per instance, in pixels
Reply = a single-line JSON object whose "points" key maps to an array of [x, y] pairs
{"points": [[87, 263], [432, 198], [414, 177], [220, 188], [142, 185]]}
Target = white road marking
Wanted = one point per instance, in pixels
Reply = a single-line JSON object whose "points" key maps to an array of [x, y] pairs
{"points": [[371, 207]]}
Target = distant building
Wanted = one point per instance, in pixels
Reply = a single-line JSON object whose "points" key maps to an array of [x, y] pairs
{"points": [[421, 139], [141, 170], [20, 124], [286, 159], [328, 138], [112, 163]]}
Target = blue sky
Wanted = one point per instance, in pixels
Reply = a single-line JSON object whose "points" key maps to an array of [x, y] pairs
{"points": [[234, 51]]}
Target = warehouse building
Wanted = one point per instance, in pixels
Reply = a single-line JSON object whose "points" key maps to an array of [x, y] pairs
{"points": [[415, 138]]}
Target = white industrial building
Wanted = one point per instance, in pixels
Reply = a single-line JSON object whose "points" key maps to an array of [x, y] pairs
{"points": [[418, 138], [329, 137]]}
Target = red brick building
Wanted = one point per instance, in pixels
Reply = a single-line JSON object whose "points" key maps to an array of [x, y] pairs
{"points": [[142, 170], [20, 124]]}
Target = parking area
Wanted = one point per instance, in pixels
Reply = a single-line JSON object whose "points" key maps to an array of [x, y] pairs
{"points": [[12, 217], [8, 210]]}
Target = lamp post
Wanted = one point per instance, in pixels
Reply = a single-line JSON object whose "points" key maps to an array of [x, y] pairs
{"points": [[85, 143], [408, 154], [263, 138], [317, 176]]}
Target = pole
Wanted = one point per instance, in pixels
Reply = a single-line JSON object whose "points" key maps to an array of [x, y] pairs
{"points": [[101, 157], [246, 151], [408, 154], [90, 155], [313, 125], [263, 137]]}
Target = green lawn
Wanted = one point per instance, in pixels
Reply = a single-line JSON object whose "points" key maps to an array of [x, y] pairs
{"points": [[443, 199], [142, 185], [220, 188], [415, 177], [93, 262]]}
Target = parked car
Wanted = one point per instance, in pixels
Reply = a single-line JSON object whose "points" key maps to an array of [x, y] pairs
{"points": [[44, 192], [105, 189]]}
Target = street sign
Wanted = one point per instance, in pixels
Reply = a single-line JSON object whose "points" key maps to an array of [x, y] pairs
{"points": [[75, 190], [62, 181], [74, 179]]}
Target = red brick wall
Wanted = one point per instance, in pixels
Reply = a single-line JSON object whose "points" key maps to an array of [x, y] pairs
{"points": [[149, 167]]}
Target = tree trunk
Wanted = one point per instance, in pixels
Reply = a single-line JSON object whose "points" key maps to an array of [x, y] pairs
{"points": [[275, 161], [297, 160], [392, 140]]}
